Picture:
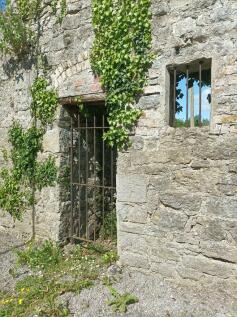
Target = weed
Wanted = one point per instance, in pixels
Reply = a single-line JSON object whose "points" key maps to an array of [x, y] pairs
{"points": [[120, 302], [53, 273], [40, 257], [109, 257], [109, 227]]}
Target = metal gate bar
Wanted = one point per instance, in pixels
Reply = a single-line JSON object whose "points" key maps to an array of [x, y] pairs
{"points": [[93, 188]]}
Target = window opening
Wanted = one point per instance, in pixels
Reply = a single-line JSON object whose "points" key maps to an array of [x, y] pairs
{"points": [[190, 94]]}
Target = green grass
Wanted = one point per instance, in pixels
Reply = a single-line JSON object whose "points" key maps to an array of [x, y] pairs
{"points": [[40, 257], [179, 123], [53, 274]]}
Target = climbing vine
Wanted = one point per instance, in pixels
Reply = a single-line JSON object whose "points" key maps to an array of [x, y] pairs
{"points": [[17, 25], [27, 174], [121, 57], [20, 28]]}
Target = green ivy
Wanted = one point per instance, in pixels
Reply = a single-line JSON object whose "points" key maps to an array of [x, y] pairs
{"points": [[44, 102], [121, 57], [13, 196], [18, 186], [18, 36]]}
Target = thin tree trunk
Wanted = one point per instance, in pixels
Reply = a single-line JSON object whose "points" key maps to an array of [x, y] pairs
{"points": [[33, 215]]}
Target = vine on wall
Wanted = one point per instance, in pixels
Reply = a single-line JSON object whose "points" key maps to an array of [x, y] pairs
{"points": [[121, 57], [20, 28], [27, 175], [18, 25]]}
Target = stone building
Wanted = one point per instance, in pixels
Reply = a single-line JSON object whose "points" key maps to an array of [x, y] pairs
{"points": [[176, 186]]}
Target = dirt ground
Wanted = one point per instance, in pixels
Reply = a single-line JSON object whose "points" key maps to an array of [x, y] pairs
{"points": [[157, 298]]}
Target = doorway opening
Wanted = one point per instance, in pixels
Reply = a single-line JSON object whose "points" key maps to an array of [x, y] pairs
{"points": [[92, 175]]}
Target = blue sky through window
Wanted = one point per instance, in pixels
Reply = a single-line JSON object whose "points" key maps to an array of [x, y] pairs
{"points": [[206, 106], [2, 4]]}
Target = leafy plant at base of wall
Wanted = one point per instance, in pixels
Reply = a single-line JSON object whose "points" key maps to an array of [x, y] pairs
{"points": [[40, 257], [110, 257], [120, 302], [27, 175], [19, 36], [109, 227], [121, 57]]}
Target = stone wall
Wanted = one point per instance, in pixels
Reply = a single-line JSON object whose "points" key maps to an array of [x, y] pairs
{"points": [[177, 187], [67, 48]]}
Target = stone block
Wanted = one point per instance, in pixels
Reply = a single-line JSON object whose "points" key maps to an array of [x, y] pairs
{"points": [[132, 188], [51, 141], [153, 231], [151, 90], [134, 243], [190, 274], [169, 220], [162, 252], [222, 250], [224, 207], [166, 270], [160, 9], [132, 212], [212, 267], [149, 102], [184, 26], [189, 203], [208, 229], [134, 260], [131, 227]]}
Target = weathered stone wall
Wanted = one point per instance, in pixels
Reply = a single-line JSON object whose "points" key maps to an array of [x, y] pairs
{"points": [[67, 50], [177, 187]]}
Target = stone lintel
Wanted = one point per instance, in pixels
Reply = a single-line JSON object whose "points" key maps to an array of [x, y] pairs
{"points": [[88, 98]]}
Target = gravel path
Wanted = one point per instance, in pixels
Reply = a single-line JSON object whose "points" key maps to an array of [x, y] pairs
{"points": [[156, 297]]}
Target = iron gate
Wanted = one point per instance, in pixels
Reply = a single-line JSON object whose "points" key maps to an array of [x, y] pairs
{"points": [[93, 176]]}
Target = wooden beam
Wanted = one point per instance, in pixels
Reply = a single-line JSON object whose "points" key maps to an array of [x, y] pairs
{"points": [[90, 98]]}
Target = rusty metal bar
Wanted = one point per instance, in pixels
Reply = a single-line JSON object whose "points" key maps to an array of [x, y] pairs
{"points": [[87, 155], [200, 95], [88, 128], [103, 172], [111, 191], [174, 96], [71, 180], [94, 186], [79, 175], [187, 94], [81, 239], [94, 198]]}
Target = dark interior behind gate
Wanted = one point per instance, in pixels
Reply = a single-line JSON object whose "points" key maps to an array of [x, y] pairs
{"points": [[93, 175]]}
